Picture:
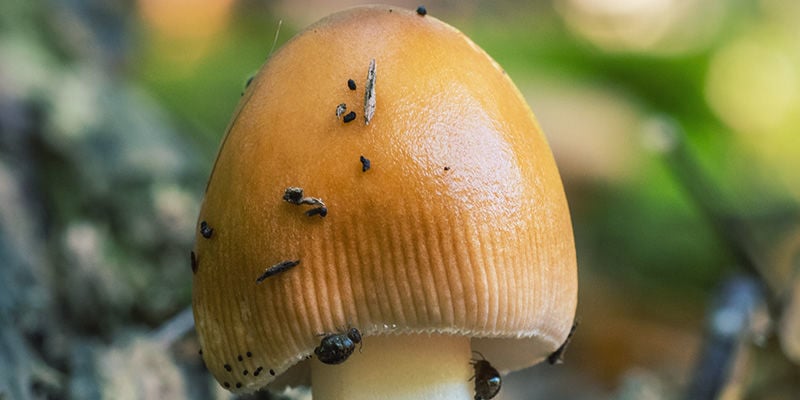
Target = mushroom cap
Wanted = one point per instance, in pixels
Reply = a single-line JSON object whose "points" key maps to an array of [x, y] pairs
{"points": [[460, 226]]}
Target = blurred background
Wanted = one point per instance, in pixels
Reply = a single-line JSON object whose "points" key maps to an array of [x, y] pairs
{"points": [[675, 125]]}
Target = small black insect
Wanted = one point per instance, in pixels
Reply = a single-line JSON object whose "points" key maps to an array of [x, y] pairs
{"points": [[193, 257], [335, 348], [206, 230], [422, 11], [294, 195], [557, 357], [447, 168], [365, 164], [276, 269], [349, 117], [487, 379], [228, 367], [351, 84], [321, 211]]}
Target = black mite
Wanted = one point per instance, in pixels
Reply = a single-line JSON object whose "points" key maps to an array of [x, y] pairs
{"points": [[349, 117], [322, 211], [206, 230], [351, 84], [365, 163], [422, 11], [557, 357], [335, 348], [487, 379]]}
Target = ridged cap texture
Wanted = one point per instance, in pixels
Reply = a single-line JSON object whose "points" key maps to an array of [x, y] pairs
{"points": [[460, 225]]}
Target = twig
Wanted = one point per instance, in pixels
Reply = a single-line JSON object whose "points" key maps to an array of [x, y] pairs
{"points": [[369, 93], [175, 328], [705, 195], [729, 322]]}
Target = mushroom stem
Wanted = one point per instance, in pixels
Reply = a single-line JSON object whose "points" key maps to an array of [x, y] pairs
{"points": [[399, 367]]}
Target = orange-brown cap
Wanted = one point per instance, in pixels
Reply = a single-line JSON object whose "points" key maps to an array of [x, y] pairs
{"points": [[459, 227]]}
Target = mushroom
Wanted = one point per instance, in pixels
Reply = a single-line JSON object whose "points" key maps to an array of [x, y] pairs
{"points": [[458, 239]]}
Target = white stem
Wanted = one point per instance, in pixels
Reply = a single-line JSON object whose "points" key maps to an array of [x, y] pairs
{"points": [[433, 367]]}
